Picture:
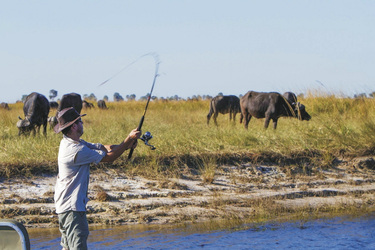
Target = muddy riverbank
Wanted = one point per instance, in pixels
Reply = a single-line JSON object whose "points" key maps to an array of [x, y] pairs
{"points": [[237, 192]]}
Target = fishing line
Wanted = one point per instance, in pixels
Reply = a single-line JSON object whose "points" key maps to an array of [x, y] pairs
{"points": [[147, 136], [156, 57]]}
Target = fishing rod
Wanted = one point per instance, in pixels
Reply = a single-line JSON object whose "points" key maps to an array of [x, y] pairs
{"points": [[147, 136], [157, 62]]}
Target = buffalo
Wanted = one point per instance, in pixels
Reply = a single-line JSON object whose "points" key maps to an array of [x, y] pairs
{"points": [[71, 100], [4, 105], [224, 105], [87, 105], [102, 105], [270, 106], [36, 109]]}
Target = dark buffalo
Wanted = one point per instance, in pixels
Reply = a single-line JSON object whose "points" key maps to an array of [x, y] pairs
{"points": [[87, 105], [102, 105], [71, 100], [35, 109], [270, 106], [224, 105], [4, 105], [53, 105]]}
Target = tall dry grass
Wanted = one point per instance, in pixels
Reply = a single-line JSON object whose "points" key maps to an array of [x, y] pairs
{"points": [[338, 125]]}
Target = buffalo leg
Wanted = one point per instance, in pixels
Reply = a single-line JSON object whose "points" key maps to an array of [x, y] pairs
{"points": [[45, 128], [274, 123], [267, 122], [208, 118], [247, 120], [215, 117]]}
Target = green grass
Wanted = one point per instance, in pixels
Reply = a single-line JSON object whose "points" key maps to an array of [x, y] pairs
{"points": [[182, 137]]}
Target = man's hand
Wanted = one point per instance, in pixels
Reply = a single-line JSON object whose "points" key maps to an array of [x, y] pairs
{"points": [[135, 134], [114, 151]]}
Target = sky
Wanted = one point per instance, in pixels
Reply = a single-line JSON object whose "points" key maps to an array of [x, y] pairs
{"points": [[204, 47]]}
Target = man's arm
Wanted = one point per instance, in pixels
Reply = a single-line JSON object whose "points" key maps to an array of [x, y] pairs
{"points": [[115, 151]]}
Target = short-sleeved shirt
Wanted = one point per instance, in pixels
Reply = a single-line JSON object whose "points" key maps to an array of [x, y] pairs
{"points": [[72, 181]]}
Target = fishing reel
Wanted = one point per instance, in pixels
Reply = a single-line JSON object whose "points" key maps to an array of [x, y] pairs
{"points": [[145, 138]]}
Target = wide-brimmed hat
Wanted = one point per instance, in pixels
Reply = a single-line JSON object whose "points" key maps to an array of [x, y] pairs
{"points": [[65, 118]]}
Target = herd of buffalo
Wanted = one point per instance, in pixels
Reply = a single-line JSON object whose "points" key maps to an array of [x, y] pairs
{"points": [[36, 108], [270, 106]]}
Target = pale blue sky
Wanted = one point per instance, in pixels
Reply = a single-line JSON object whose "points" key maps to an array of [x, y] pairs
{"points": [[205, 47]]}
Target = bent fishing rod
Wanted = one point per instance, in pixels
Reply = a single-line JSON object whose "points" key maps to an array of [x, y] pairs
{"points": [[147, 136], [148, 101]]}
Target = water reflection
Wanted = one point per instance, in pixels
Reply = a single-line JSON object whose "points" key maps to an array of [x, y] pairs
{"points": [[338, 233]]}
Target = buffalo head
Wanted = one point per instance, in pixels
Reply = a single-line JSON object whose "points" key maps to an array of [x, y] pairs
{"points": [[24, 126], [300, 111]]}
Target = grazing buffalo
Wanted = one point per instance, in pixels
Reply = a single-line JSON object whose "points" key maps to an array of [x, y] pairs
{"points": [[102, 105], [53, 105], [4, 105], [87, 105], [35, 109], [224, 104], [270, 106], [71, 100]]}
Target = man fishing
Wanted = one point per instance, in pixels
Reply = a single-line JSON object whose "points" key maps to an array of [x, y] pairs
{"points": [[74, 159]]}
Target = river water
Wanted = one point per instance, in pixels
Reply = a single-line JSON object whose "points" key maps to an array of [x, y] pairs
{"points": [[337, 233]]}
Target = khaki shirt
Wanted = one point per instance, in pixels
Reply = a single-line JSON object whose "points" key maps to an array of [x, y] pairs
{"points": [[74, 172]]}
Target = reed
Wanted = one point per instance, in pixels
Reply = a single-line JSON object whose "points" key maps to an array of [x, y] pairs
{"points": [[338, 126]]}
